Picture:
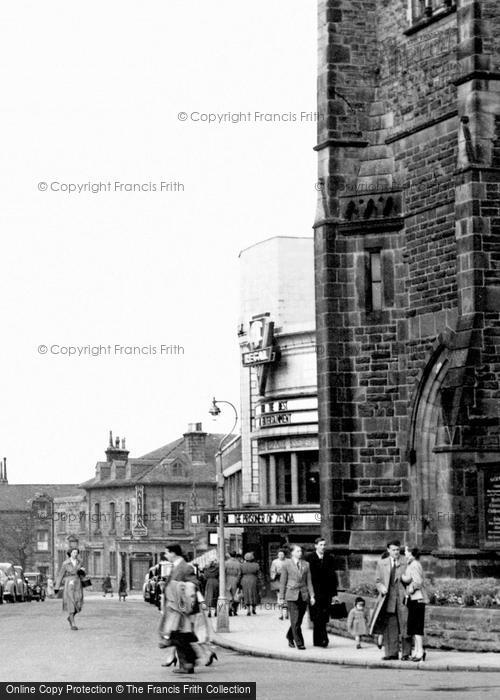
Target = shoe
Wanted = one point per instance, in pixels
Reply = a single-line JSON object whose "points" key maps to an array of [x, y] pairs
{"points": [[210, 614], [211, 658], [379, 645], [301, 647], [405, 658], [358, 646], [291, 644], [280, 617], [74, 627], [173, 661], [390, 658], [419, 658], [248, 613]]}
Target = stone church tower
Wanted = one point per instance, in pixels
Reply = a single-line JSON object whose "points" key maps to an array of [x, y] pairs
{"points": [[407, 256]]}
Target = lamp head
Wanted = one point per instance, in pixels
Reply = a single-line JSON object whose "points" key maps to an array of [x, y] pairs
{"points": [[214, 410]]}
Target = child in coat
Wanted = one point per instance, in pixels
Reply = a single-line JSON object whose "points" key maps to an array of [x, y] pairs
{"points": [[357, 621]]}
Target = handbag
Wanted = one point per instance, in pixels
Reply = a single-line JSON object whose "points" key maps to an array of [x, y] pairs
{"points": [[338, 611], [86, 582]]}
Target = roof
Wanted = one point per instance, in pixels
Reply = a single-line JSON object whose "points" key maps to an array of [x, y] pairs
{"points": [[18, 497], [150, 467]]}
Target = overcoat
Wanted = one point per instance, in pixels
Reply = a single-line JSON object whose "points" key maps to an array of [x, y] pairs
{"points": [[382, 578], [73, 590]]}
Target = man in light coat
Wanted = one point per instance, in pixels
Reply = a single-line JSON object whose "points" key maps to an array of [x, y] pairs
{"points": [[391, 610], [297, 590]]}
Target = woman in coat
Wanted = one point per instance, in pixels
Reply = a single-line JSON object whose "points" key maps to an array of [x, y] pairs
{"points": [[233, 578], [211, 575], [250, 576], [417, 599], [122, 588], [70, 575]]}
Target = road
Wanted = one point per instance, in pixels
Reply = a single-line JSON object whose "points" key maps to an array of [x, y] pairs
{"points": [[117, 642]]}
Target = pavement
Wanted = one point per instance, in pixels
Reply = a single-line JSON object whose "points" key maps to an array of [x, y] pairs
{"points": [[263, 634]]}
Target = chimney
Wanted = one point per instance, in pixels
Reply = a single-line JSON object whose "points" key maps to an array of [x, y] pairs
{"points": [[195, 442], [114, 451], [3, 471]]}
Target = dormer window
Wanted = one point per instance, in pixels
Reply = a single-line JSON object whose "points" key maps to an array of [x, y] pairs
{"points": [[177, 469]]}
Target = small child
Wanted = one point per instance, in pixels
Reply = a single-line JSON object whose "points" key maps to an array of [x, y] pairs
{"points": [[357, 621]]}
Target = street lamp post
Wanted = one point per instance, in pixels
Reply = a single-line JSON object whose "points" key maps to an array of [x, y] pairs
{"points": [[222, 603]]}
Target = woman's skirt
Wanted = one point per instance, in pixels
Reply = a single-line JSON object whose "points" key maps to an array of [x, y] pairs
{"points": [[416, 616], [73, 594]]}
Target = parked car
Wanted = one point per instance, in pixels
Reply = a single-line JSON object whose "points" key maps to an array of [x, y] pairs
{"points": [[36, 587], [8, 582], [22, 588]]}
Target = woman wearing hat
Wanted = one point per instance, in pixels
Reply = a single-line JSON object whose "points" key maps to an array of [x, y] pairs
{"points": [[250, 575], [70, 574]]}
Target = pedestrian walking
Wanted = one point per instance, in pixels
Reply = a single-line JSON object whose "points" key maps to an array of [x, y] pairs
{"points": [[233, 578], [390, 609], [70, 575], [297, 590], [211, 576], [181, 604], [250, 579], [417, 599], [325, 584], [275, 575], [107, 586], [358, 621], [50, 588], [122, 588]]}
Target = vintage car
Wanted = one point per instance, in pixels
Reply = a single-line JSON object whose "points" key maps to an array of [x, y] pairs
{"points": [[35, 584], [8, 582], [22, 588]]}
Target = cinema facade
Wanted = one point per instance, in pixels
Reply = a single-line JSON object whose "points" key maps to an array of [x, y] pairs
{"points": [[271, 472]]}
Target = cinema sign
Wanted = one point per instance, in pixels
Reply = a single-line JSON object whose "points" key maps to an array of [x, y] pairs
{"points": [[257, 518]]}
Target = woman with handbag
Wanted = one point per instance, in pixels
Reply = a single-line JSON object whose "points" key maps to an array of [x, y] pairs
{"points": [[417, 599], [71, 574]]}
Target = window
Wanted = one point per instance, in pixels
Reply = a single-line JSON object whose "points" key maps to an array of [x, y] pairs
{"points": [[375, 281], [127, 516], [283, 479], [308, 473], [112, 517], [112, 563], [83, 520], [97, 517], [61, 522], [420, 9], [42, 541], [97, 564], [178, 515], [177, 469]]}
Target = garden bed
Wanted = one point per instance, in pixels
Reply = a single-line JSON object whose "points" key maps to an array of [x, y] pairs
{"points": [[446, 626]]}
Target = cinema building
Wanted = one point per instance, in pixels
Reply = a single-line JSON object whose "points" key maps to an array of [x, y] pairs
{"points": [[271, 473]]}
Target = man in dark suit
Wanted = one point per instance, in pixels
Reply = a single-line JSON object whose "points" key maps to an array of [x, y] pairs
{"points": [[391, 610], [325, 584], [296, 589], [183, 637]]}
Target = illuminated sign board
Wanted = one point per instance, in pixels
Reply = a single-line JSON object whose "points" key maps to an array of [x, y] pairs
{"points": [[258, 357]]}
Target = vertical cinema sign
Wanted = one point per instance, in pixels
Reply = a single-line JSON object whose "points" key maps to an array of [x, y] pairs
{"points": [[262, 350]]}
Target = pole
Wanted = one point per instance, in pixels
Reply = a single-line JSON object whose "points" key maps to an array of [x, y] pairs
{"points": [[222, 602]]}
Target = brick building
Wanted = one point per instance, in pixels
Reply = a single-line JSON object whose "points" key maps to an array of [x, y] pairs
{"points": [[27, 523], [407, 260], [134, 506]]}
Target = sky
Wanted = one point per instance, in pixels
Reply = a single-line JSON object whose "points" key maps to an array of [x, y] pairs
{"points": [[178, 99]]}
